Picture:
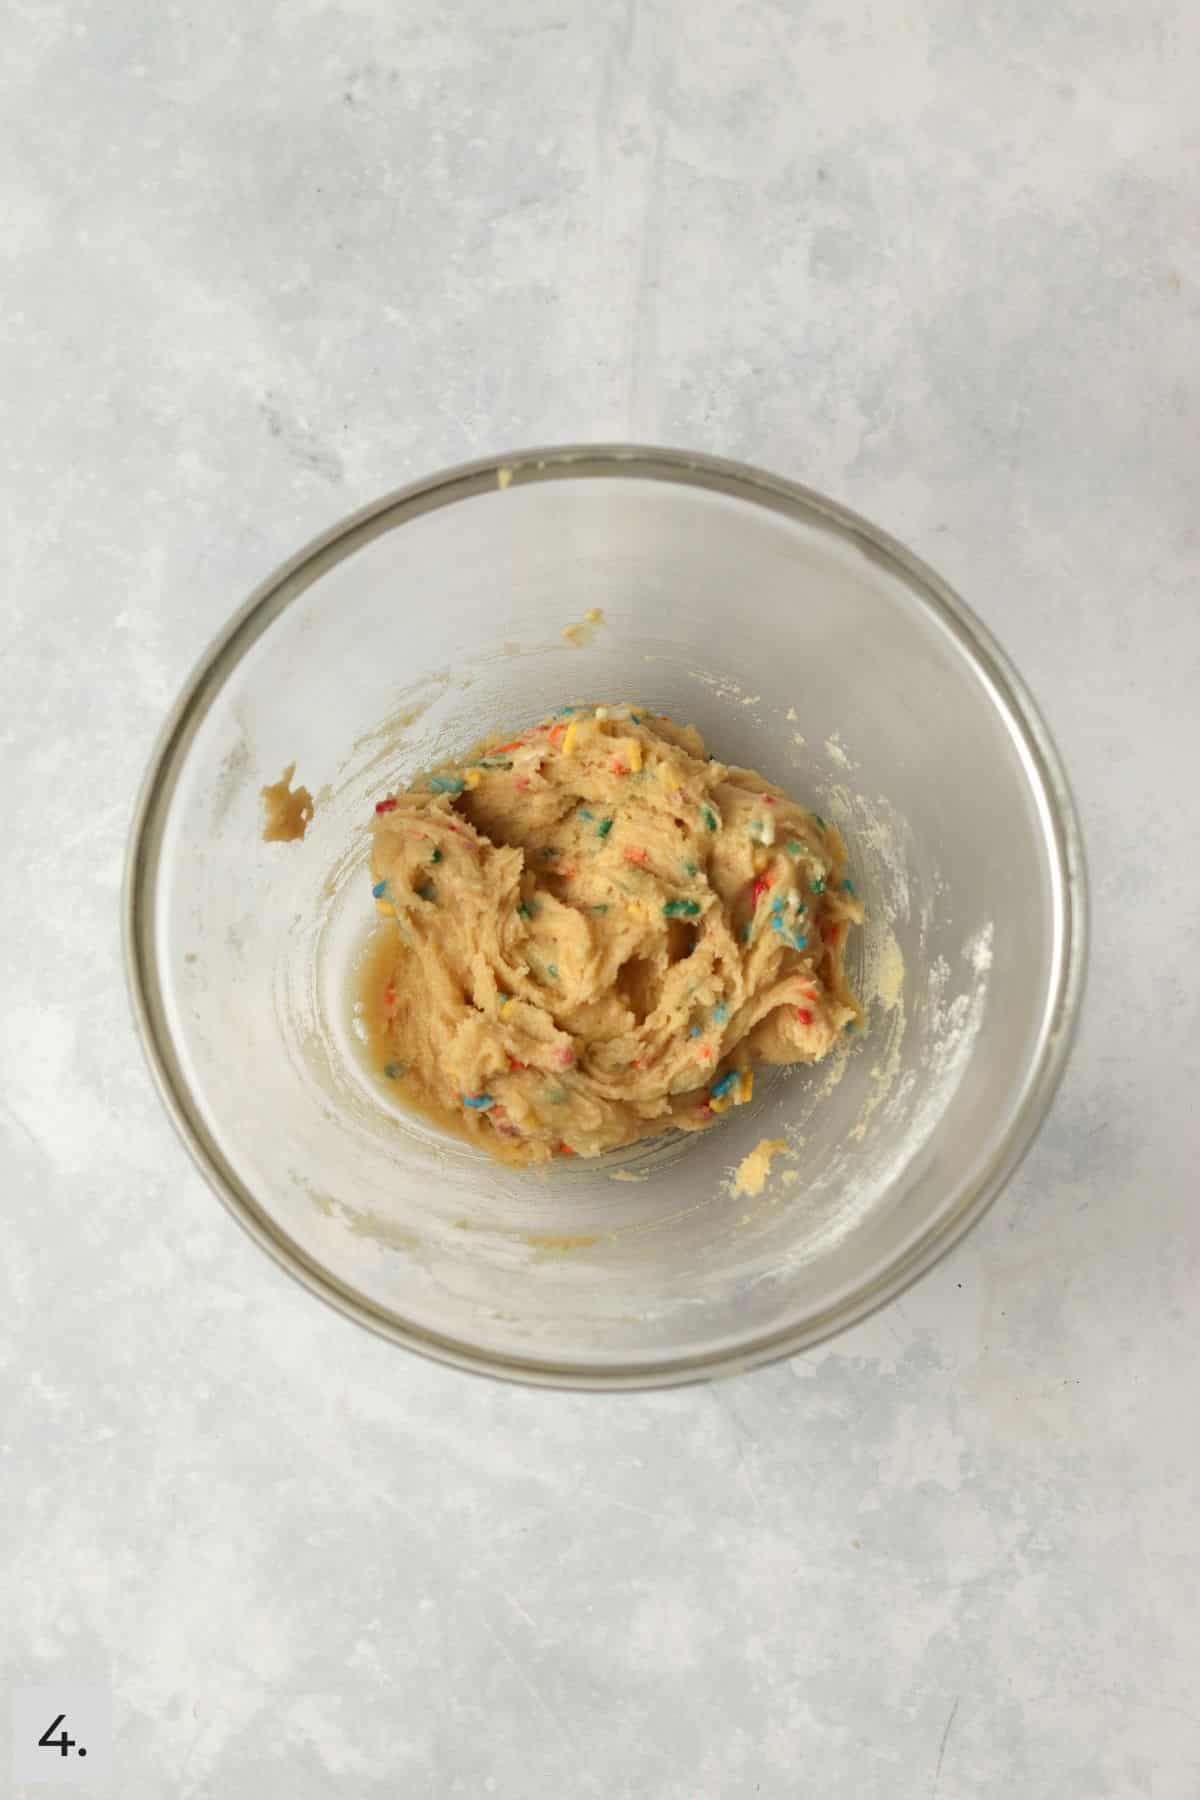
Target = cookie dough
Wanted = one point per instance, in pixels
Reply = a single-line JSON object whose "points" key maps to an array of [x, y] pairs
{"points": [[595, 931], [287, 811]]}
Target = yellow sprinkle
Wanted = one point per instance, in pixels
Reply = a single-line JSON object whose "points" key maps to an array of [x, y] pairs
{"points": [[510, 1002], [385, 909], [472, 777], [635, 756], [718, 1106], [571, 738], [746, 1089]]}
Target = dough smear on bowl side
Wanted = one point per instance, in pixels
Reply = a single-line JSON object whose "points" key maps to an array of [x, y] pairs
{"points": [[595, 932]]}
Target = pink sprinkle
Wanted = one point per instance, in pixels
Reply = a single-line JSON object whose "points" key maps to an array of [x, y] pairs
{"points": [[564, 1056], [521, 781]]}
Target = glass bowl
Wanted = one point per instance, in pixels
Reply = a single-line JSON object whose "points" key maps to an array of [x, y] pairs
{"points": [[803, 642]]}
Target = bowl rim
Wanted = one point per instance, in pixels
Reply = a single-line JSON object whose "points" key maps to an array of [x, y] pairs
{"points": [[740, 481]]}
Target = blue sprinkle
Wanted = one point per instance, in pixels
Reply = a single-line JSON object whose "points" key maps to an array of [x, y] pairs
{"points": [[552, 971], [746, 930], [777, 904], [445, 784], [379, 890], [720, 1013], [636, 717], [848, 886], [585, 812], [394, 1070], [722, 1087], [800, 943], [478, 1102], [695, 1031], [565, 711], [850, 1024]]}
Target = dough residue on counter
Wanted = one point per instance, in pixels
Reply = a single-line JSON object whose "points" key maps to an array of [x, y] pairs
{"points": [[594, 931], [287, 811], [751, 1175]]}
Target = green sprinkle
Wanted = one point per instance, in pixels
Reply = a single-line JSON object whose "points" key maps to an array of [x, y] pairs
{"points": [[603, 828], [850, 1024], [820, 821], [436, 857], [394, 1070], [558, 1096], [523, 911], [601, 908], [794, 847], [818, 886], [709, 817], [446, 784], [552, 971], [689, 868], [564, 711], [681, 909], [636, 717], [848, 886], [549, 850], [746, 930], [585, 812], [427, 891], [494, 762]]}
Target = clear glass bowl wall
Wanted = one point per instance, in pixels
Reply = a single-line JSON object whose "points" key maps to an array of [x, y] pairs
{"points": [[801, 642]]}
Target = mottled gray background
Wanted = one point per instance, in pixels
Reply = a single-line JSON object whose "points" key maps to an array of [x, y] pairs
{"points": [[262, 261]]}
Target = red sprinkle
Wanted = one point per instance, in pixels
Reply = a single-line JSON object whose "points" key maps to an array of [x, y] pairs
{"points": [[769, 799], [705, 1110], [804, 1016], [635, 854], [514, 1064], [382, 806], [565, 1150], [520, 782], [618, 767], [761, 884]]}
